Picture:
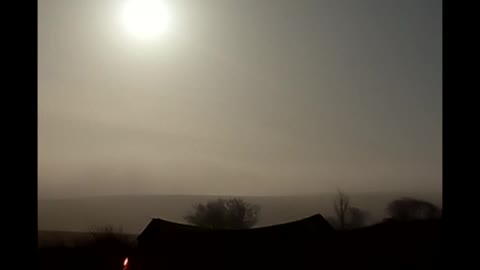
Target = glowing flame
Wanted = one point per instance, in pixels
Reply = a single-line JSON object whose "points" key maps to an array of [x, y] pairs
{"points": [[125, 262]]}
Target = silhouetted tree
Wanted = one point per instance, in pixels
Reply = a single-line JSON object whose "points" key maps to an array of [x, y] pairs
{"points": [[407, 209], [224, 214], [341, 206], [347, 216]]}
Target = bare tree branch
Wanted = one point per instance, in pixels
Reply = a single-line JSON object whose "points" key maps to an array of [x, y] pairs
{"points": [[341, 206]]}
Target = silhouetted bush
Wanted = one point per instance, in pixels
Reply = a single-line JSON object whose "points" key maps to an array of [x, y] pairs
{"points": [[224, 214], [108, 235], [407, 209], [356, 218]]}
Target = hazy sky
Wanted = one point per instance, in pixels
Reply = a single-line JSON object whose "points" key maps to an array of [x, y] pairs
{"points": [[241, 97]]}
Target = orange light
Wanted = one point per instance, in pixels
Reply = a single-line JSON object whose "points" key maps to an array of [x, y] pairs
{"points": [[125, 262]]}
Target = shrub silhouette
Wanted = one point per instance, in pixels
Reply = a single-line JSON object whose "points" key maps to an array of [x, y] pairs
{"points": [[407, 209], [356, 218], [108, 236], [224, 214]]}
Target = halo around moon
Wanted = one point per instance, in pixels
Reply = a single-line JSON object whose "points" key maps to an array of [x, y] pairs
{"points": [[144, 19]]}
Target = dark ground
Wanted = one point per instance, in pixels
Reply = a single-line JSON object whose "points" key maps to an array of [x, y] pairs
{"points": [[390, 245]]}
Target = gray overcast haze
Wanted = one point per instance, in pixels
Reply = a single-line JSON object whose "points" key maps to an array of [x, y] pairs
{"points": [[264, 97]]}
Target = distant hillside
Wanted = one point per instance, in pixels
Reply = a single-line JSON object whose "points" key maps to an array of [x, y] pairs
{"points": [[133, 213]]}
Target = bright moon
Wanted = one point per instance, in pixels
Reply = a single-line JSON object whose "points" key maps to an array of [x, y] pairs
{"points": [[145, 19]]}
